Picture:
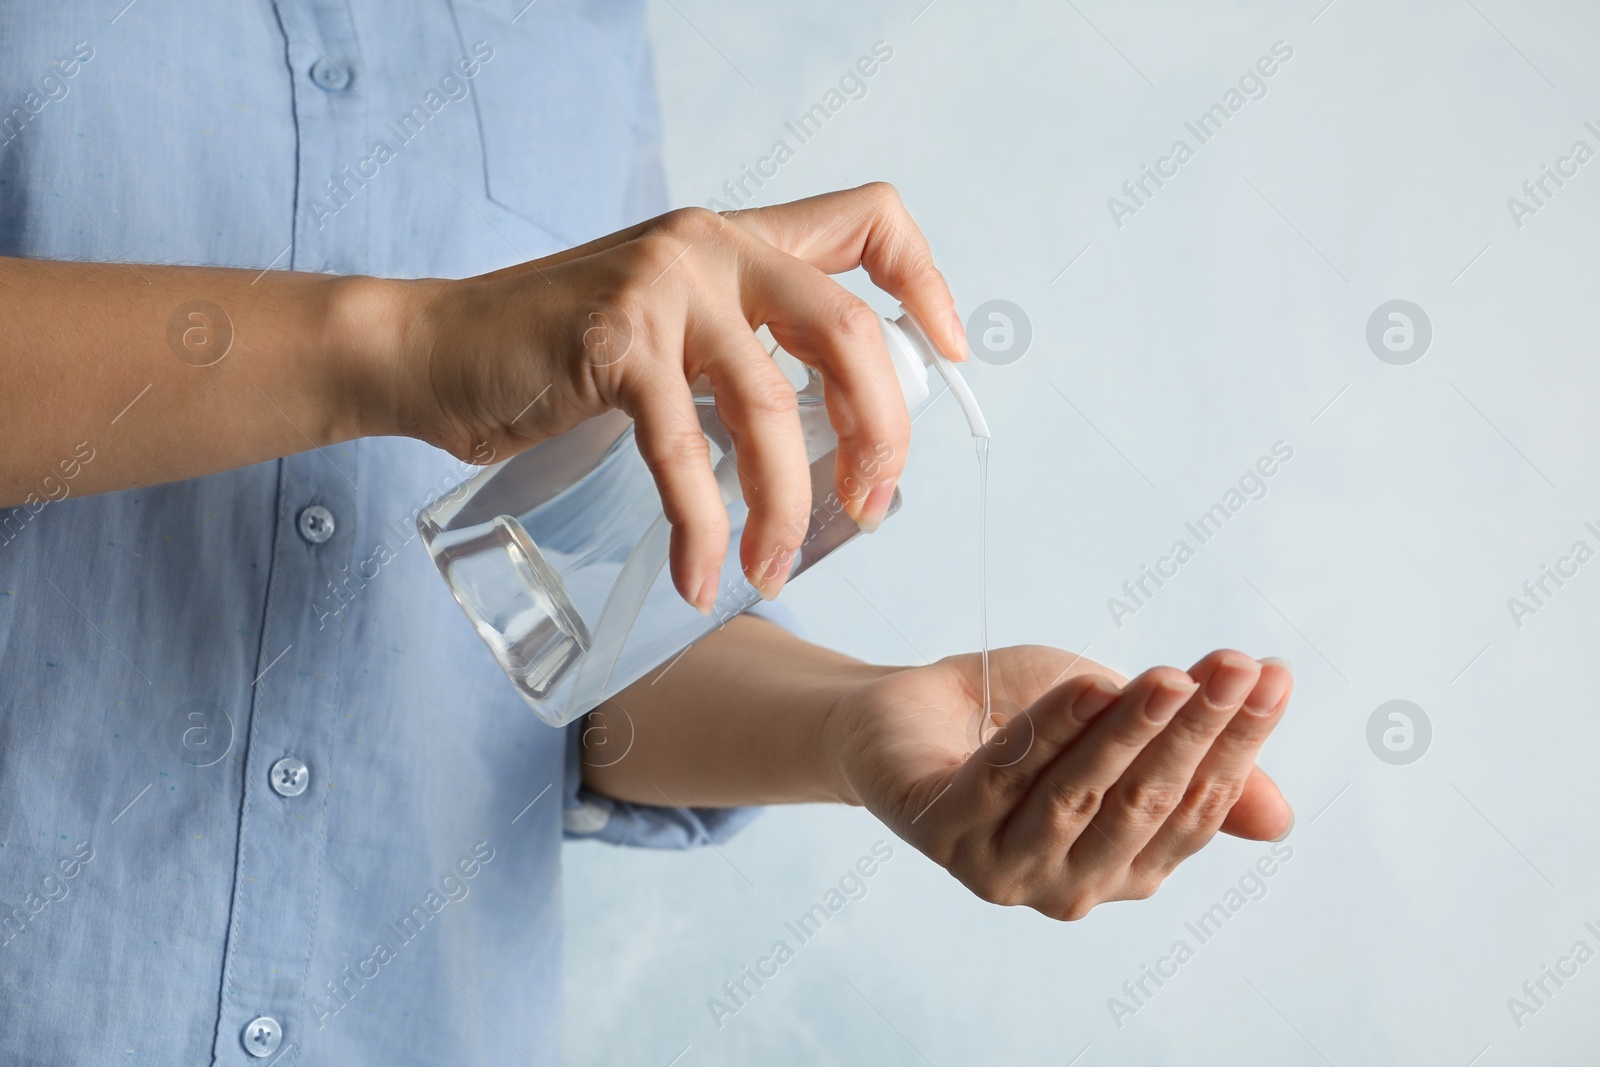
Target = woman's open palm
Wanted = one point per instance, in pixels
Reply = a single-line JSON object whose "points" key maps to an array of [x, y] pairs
{"points": [[1092, 790]]}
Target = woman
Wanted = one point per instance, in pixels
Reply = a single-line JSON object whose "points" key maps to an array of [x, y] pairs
{"points": [[261, 792]]}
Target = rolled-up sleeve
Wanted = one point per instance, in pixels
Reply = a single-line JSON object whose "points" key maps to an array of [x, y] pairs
{"points": [[590, 816]]}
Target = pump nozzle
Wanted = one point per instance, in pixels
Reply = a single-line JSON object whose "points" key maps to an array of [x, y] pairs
{"points": [[947, 370]]}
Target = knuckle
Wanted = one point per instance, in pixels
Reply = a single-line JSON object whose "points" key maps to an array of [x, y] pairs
{"points": [[1006, 779], [768, 397], [1192, 730], [1245, 732], [995, 889], [914, 262], [675, 450], [852, 317], [690, 223], [883, 195], [1209, 802], [1072, 908], [921, 271], [1141, 885], [1152, 801], [1070, 808]]}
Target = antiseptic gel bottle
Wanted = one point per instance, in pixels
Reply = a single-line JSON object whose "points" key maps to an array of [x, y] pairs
{"points": [[558, 555]]}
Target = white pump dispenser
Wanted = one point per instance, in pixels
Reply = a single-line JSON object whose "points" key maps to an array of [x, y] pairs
{"points": [[913, 353]]}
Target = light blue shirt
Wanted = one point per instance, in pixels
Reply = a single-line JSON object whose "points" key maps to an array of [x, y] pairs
{"points": [[262, 789]]}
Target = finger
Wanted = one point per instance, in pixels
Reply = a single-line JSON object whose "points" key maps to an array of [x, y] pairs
{"points": [[675, 450], [1052, 812], [1262, 813], [689, 225], [1218, 781], [817, 320], [1155, 783], [867, 227], [972, 808], [758, 406], [835, 232], [1000, 773]]}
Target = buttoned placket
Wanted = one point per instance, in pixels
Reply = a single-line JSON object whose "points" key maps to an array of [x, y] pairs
{"points": [[283, 871]]}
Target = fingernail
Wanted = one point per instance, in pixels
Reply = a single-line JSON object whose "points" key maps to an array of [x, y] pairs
{"points": [[958, 330], [1268, 693], [1165, 701], [706, 599], [1279, 660], [876, 507], [771, 576], [1287, 830], [1096, 697], [1231, 682]]}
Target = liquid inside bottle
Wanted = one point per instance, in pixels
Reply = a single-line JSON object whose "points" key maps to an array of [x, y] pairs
{"points": [[559, 556]]}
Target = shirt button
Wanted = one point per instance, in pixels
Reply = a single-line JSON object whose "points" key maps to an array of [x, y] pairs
{"points": [[316, 524], [290, 777], [262, 1036], [330, 76]]}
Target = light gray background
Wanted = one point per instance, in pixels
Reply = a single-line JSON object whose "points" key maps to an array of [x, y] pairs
{"points": [[1229, 313]]}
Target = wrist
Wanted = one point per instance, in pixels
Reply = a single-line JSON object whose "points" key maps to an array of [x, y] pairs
{"points": [[844, 714], [374, 329]]}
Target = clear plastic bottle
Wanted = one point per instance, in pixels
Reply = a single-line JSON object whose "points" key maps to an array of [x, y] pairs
{"points": [[558, 555]]}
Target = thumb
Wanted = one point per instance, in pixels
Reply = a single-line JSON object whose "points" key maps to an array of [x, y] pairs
{"points": [[1261, 813]]}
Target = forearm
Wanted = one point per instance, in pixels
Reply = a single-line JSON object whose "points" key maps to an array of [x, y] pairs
{"points": [[107, 356], [743, 717]]}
